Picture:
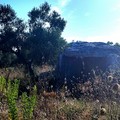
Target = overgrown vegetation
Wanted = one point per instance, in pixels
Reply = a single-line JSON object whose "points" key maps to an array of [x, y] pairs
{"points": [[100, 103], [9, 95], [28, 104], [24, 95], [12, 95], [36, 42]]}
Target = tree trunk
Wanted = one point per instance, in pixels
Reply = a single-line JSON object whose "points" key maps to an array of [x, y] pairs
{"points": [[28, 67], [31, 72]]}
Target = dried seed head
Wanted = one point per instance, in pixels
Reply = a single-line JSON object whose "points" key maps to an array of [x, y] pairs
{"points": [[116, 87]]}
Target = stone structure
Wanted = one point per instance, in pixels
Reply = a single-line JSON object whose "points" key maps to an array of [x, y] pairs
{"points": [[82, 59]]}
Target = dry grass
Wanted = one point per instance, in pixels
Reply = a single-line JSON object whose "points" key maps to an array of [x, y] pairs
{"points": [[43, 68], [53, 108], [58, 106], [13, 72], [19, 71], [73, 109]]}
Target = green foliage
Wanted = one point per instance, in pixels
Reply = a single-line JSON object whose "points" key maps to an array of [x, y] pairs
{"points": [[42, 42], [2, 89], [45, 38], [110, 43], [2, 85], [7, 14], [117, 44], [12, 36], [28, 104], [12, 95], [6, 59], [11, 91]]}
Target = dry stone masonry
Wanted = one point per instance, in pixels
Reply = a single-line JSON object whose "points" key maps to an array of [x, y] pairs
{"points": [[81, 60]]}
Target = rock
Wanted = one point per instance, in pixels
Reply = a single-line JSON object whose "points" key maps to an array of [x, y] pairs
{"points": [[103, 111], [82, 60]]}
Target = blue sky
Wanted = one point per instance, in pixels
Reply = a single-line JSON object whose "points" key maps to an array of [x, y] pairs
{"points": [[87, 20]]}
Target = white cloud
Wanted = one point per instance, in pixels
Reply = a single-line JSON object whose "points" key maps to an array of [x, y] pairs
{"points": [[63, 3]]}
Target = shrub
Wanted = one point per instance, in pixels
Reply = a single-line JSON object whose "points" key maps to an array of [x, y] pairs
{"points": [[2, 85], [28, 104], [12, 96], [10, 90]]}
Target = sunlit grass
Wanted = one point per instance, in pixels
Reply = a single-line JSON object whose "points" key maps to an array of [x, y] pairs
{"points": [[98, 100]]}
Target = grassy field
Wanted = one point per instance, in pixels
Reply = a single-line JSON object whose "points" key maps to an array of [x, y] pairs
{"points": [[98, 101]]}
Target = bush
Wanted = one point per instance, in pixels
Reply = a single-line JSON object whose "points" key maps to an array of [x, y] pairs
{"points": [[10, 90]]}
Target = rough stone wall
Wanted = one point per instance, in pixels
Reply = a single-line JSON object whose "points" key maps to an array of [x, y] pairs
{"points": [[81, 59]]}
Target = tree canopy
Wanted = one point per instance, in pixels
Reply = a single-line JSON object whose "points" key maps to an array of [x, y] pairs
{"points": [[34, 42], [45, 28]]}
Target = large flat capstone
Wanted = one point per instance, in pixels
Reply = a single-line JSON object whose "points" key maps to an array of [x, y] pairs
{"points": [[83, 59]]}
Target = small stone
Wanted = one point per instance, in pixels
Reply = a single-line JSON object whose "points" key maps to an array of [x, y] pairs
{"points": [[103, 111]]}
